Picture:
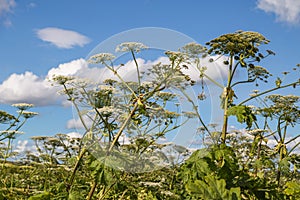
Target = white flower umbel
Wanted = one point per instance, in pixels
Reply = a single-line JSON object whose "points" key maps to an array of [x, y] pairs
{"points": [[106, 88], [257, 131], [131, 47], [101, 58], [28, 114], [108, 110], [193, 50], [22, 106], [9, 132]]}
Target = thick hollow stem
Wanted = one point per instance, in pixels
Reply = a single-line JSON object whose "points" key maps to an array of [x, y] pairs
{"points": [[226, 98]]}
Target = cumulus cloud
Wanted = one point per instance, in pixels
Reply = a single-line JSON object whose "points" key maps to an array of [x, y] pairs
{"points": [[285, 10], [272, 143], [6, 7], [24, 146], [215, 70], [31, 88], [68, 69], [76, 123], [74, 135], [61, 38], [28, 88]]}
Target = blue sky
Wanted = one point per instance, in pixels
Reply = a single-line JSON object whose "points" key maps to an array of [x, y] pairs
{"points": [[39, 36]]}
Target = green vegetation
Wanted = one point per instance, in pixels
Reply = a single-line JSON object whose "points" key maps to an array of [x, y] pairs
{"points": [[233, 164]]}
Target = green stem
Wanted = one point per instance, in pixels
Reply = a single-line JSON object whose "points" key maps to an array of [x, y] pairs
{"points": [[225, 115], [92, 190], [196, 110], [268, 91], [83, 151], [213, 81], [293, 139], [233, 71], [76, 107], [137, 69], [294, 147], [121, 79], [123, 127]]}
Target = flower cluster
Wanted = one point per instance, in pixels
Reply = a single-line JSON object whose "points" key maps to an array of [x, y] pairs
{"points": [[194, 50], [189, 114], [257, 131], [108, 110], [101, 58], [61, 80], [176, 56], [22, 106], [27, 114], [131, 47]]}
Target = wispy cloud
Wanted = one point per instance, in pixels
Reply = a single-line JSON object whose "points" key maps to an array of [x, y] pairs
{"points": [[61, 38], [31, 5], [6, 7], [285, 10]]}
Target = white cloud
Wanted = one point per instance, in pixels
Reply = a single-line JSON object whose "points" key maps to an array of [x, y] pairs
{"points": [[28, 88], [6, 7], [61, 38], [76, 123], [31, 88], [68, 69], [215, 70], [74, 135], [285, 10], [24, 146], [272, 143]]}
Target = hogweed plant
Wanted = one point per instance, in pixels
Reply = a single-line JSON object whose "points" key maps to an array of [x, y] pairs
{"points": [[12, 125], [255, 156], [136, 112], [126, 121]]}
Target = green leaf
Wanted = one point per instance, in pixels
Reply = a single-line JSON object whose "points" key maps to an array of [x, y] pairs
{"points": [[293, 189], [42, 196], [243, 114], [212, 188]]}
